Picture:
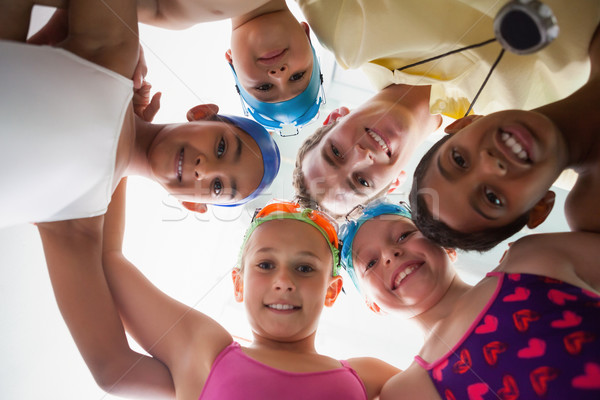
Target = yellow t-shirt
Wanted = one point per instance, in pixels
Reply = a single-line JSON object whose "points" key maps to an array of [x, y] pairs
{"points": [[381, 35]]}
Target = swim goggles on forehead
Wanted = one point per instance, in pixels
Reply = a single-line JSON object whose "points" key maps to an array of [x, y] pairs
{"points": [[286, 117], [291, 210], [355, 219]]}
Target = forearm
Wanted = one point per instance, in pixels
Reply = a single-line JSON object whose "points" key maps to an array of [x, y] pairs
{"points": [[73, 256]]}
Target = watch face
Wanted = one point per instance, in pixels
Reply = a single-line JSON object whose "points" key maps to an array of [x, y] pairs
{"points": [[525, 28]]}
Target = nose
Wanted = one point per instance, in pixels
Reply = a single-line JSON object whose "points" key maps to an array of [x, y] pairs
{"points": [[203, 168], [279, 71], [392, 254], [362, 155], [283, 282], [492, 164]]}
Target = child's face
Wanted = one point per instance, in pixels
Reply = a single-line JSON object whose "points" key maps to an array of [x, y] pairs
{"points": [[206, 162], [494, 170], [359, 157], [398, 268], [272, 57], [287, 271]]}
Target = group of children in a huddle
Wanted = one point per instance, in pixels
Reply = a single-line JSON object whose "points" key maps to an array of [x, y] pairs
{"points": [[527, 330]]}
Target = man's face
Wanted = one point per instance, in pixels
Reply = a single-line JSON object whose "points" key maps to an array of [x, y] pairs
{"points": [[360, 156], [494, 170]]}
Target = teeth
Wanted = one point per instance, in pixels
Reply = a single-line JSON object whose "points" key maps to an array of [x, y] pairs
{"points": [[379, 140], [515, 146], [404, 274], [281, 306], [180, 165]]}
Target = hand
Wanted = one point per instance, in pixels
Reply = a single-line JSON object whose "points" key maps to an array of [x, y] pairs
{"points": [[55, 30], [143, 106], [141, 69]]}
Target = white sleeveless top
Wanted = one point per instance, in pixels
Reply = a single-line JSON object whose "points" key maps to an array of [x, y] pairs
{"points": [[60, 121]]}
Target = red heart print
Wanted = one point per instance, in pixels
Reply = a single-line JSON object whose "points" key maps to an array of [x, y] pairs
{"points": [[569, 320], [489, 325], [574, 341], [477, 390], [449, 395], [522, 318], [560, 297], [437, 371], [509, 389], [491, 351], [540, 377], [462, 365], [536, 348], [519, 294], [590, 293], [591, 378], [514, 277]]}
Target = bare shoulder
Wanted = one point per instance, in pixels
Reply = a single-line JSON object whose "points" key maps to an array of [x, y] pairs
{"points": [[569, 256], [373, 372], [412, 384], [581, 205]]}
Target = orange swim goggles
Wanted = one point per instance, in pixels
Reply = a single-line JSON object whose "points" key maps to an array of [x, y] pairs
{"points": [[278, 209]]}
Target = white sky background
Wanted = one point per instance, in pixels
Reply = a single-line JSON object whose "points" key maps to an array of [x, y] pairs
{"points": [[189, 256]]}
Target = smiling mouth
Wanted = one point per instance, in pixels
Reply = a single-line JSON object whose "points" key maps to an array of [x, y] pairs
{"points": [[282, 307], [380, 141], [272, 57], [404, 273], [180, 166], [515, 146]]}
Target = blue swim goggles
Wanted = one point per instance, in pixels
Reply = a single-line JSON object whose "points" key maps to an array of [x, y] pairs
{"points": [[354, 220], [286, 117]]}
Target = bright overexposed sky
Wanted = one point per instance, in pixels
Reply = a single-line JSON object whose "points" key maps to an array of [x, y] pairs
{"points": [[189, 256]]}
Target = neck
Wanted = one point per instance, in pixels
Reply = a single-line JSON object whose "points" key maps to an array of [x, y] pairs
{"points": [[415, 99], [145, 132], [304, 346], [427, 319], [267, 8], [578, 121]]}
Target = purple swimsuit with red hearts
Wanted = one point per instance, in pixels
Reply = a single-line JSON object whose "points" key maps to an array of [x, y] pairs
{"points": [[536, 338]]}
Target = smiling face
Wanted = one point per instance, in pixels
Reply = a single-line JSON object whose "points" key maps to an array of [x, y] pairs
{"points": [[286, 276], [494, 170], [398, 268], [272, 57], [206, 162], [360, 156]]}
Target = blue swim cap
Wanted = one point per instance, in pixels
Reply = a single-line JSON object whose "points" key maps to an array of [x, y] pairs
{"points": [[349, 229], [268, 149], [297, 111]]}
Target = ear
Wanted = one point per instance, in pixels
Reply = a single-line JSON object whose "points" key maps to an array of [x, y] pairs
{"points": [[541, 210], [238, 285], [461, 123], [202, 112], [373, 306], [334, 289], [306, 29], [336, 114], [451, 254], [195, 207], [400, 179], [228, 57]]}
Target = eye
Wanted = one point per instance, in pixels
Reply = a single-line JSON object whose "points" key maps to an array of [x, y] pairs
{"points": [[404, 236], [266, 265], [370, 264], [217, 187], [265, 87], [336, 152], [459, 159], [305, 268], [362, 181], [221, 148], [492, 198], [297, 76]]}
